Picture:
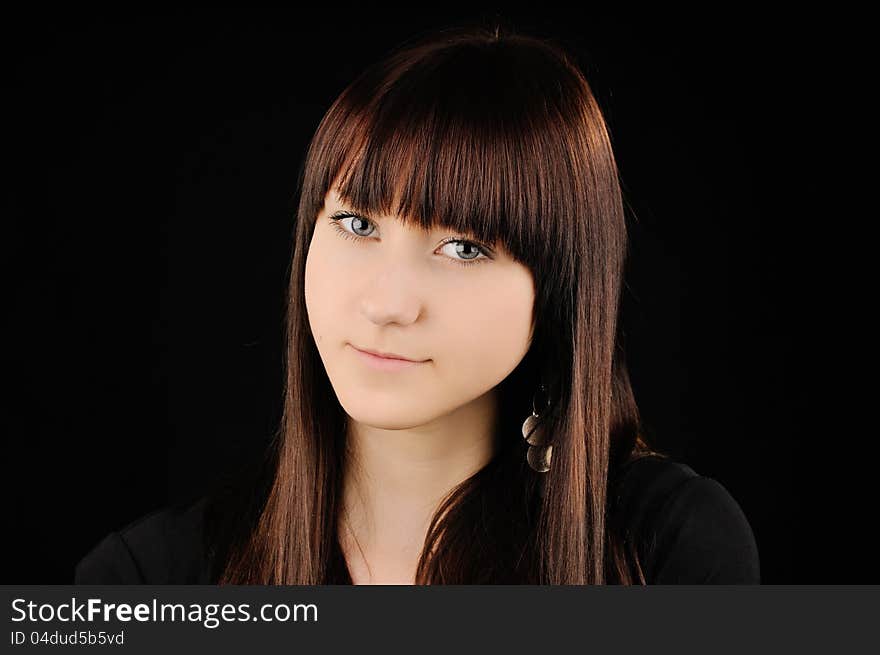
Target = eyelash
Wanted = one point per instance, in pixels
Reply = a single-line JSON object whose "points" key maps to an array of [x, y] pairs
{"points": [[335, 222]]}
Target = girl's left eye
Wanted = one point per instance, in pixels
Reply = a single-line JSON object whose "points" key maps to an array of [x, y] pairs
{"points": [[339, 218]]}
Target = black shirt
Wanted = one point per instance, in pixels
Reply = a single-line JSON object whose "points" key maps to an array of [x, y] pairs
{"points": [[688, 528]]}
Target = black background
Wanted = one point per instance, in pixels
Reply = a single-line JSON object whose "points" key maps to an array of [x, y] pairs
{"points": [[152, 162]]}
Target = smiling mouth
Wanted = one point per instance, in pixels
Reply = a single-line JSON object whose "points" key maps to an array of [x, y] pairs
{"points": [[385, 364], [388, 356]]}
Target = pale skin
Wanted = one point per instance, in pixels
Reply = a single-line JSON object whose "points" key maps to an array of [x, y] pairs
{"points": [[415, 433]]}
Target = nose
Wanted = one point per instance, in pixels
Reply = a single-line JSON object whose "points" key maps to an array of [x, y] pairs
{"points": [[392, 295]]}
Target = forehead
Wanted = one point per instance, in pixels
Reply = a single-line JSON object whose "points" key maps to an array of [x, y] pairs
{"points": [[334, 197]]}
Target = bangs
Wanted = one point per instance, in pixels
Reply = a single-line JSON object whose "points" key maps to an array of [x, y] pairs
{"points": [[475, 138]]}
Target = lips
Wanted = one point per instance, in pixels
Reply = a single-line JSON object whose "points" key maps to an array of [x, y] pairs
{"points": [[386, 355]]}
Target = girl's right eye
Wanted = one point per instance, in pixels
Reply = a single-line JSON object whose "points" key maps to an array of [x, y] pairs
{"points": [[358, 223]]}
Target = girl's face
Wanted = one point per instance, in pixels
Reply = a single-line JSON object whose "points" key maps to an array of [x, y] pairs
{"points": [[465, 314]]}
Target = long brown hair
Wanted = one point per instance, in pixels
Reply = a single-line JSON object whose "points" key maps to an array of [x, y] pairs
{"points": [[493, 134]]}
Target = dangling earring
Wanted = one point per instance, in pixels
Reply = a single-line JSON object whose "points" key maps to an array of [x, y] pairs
{"points": [[534, 431]]}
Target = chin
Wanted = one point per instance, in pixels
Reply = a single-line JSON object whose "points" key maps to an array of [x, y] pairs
{"points": [[388, 415], [385, 422]]}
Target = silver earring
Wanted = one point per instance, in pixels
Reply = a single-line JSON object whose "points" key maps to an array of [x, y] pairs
{"points": [[534, 431]]}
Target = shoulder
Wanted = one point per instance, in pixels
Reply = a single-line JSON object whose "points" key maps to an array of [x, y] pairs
{"points": [[166, 546], [687, 527]]}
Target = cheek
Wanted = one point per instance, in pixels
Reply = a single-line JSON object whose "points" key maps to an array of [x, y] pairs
{"points": [[485, 331], [320, 280]]}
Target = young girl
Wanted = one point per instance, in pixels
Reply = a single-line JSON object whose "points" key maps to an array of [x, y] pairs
{"points": [[457, 408]]}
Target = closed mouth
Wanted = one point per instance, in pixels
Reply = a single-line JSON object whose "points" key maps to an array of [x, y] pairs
{"points": [[376, 353]]}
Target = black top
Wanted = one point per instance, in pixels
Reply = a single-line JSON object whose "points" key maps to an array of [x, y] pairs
{"points": [[689, 530]]}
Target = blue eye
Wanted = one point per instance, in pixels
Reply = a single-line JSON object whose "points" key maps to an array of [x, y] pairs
{"points": [[359, 219], [467, 245], [338, 218]]}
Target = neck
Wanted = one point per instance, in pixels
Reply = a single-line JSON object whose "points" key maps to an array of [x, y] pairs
{"points": [[395, 479]]}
